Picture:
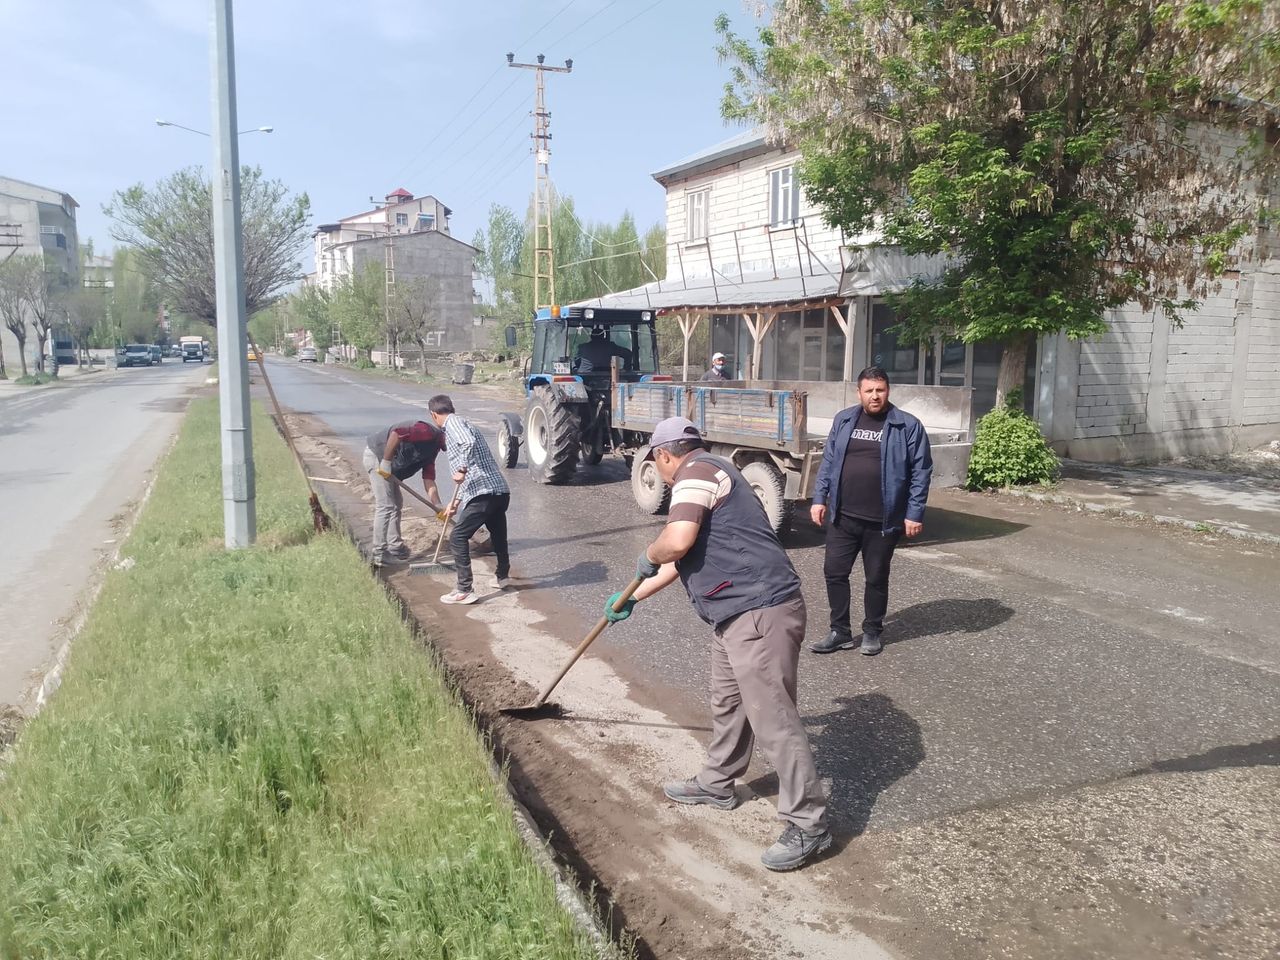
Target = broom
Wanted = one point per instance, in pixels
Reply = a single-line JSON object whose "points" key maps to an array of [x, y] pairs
{"points": [[319, 519]]}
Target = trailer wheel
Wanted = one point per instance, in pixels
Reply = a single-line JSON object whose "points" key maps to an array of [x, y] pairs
{"points": [[508, 445], [592, 449], [551, 438], [770, 487], [652, 495]]}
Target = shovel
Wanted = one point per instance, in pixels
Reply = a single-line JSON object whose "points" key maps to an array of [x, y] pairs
{"points": [[540, 707], [435, 566]]}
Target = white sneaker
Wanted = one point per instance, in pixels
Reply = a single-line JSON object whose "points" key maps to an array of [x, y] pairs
{"points": [[504, 582], [456, 596]]}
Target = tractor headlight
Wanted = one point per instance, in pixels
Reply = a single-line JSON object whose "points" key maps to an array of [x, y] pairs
{"points": [[589, 313], [646, 316]]}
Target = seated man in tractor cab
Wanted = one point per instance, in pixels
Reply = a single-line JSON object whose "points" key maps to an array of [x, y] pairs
{"points": [[595, 355]]}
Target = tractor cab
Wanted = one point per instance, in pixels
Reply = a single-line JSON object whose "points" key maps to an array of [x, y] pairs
{"points": [[582, 342]]}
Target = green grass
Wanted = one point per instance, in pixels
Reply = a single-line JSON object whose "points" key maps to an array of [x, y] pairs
{"points": [[36, 379], [250, 757]]}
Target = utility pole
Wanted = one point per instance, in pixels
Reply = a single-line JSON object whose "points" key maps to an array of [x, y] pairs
{"points": [[388, 277], [544, 266], [238, 506]]}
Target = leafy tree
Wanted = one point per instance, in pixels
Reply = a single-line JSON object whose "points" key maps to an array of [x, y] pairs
{"points": [[416, 311], [171, 228], [17, 275], [86, 319], [135, 303], [1066, 156], [357, 308], [312, 308]]}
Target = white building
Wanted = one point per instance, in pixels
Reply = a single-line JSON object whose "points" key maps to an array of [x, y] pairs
{"points": [[401, 213], [790, 298], [37, 220]]}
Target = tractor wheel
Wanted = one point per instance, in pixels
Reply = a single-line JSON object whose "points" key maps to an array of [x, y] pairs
{"points": [[770, 487], [551, 438], [508, 445], [652, 495]]}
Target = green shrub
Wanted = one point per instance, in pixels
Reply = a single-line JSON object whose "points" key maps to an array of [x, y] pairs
{"points": [[1008, 450], [35, 379], [363, 363]]}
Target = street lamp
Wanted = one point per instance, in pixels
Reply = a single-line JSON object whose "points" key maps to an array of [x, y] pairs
{"points": [[241, 133]]}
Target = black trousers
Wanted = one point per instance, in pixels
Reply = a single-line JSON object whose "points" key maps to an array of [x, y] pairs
{"points": [[488, 510], [846, 538]]}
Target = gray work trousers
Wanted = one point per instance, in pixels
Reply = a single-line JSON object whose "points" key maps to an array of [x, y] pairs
{"points": [[388, 502], [754, 658]]}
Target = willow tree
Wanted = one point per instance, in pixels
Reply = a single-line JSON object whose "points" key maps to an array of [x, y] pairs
{"points": [[1067, 157]]}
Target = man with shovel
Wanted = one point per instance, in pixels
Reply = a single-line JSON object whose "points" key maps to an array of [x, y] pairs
{"points": [[397, 453], [720, 545]]}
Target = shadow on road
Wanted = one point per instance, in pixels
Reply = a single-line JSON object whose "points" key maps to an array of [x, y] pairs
{"points": [[940, 527], [945, 616], [865, 745], [584, 572]]}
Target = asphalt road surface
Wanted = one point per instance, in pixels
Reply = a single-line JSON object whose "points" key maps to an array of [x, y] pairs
{"points": [[1038, 666], [72, 459]]}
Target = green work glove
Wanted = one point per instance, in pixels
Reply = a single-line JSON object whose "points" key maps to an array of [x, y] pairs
{"points": [[646, 568], [613, 616]]}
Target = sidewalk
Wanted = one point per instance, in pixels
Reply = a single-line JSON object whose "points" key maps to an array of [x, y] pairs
{"points": [[1242, 506], [66, 374]]}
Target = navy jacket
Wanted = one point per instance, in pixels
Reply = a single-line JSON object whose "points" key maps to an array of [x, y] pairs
{"points": [[905, 466]]}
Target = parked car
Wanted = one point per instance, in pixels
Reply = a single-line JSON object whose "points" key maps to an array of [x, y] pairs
{"points": [[134, 355], [309, 354], [157, 355]]}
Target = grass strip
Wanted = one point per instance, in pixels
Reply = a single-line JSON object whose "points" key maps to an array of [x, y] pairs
{"points": [[249, 756]]}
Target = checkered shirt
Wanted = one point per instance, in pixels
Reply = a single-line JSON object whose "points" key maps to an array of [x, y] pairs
{"points": [[466, 448]]}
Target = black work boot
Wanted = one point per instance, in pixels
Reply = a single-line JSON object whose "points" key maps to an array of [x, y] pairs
{"points": [[870, 645], [835, 641]]}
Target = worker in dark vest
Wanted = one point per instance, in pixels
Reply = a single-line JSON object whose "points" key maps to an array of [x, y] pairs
{"points": [[399, 451], [719, 544], [596, 354], [718, 369], [871, 489]]}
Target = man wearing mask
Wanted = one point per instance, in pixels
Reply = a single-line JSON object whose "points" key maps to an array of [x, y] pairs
{"points": [[872, 487], [718, 370]]}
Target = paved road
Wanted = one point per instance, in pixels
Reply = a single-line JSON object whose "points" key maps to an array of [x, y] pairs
{"points": [[1010, 672], [72, 458]]}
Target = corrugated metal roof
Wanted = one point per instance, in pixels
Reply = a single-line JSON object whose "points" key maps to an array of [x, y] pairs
{"points": [[873, 271], [740, 144]]}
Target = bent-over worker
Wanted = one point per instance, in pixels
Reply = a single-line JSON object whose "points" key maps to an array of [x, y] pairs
{"points": [[399, 451], [720, 545]]}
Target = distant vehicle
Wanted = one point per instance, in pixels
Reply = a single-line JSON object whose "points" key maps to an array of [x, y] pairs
{"points": [[309, 354], [175, 350], [134, 355], [191, 350], [157, 355], [63, 352], [250, 355]]}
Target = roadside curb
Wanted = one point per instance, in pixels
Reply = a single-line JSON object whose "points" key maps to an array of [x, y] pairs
{"points": [[568, 894], [1200, 526]]}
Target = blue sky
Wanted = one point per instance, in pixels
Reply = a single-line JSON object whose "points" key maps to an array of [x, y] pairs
{"points": [[365, 97]]}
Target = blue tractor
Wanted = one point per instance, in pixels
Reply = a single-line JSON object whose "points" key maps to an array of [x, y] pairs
{"points": [[578, 352]]}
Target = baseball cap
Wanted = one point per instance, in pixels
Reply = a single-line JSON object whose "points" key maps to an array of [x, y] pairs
{"points": [[671, 430], [717, 356]]}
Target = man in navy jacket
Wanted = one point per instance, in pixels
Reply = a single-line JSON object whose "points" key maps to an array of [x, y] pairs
{"points": [[872, 487]]}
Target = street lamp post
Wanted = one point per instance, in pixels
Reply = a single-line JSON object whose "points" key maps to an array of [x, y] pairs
{"points": [[238, 500]]}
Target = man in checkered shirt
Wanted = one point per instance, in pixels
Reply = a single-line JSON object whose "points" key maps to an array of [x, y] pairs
{"points": [[482, 500]]}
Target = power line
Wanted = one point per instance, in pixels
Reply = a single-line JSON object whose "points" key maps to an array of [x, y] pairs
{"points": [[526, 42], [443, 172], [482, 112], [478, 178], [605, 8], [624, 23], [592, 237]]}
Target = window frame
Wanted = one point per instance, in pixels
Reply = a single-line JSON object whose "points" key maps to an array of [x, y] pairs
{"points": [[704, 194], [776, 195]]}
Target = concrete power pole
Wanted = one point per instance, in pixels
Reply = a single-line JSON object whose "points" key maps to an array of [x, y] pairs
{"points": [[238, 507], [544, 267], [388, 277]]}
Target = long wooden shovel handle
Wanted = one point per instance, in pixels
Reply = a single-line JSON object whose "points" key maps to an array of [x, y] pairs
{"points": [[457, 495], [590, 638], [414, 493], [284, 426]]}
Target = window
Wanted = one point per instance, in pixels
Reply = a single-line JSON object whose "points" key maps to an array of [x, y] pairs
{"points": [[402, 219], [697, 221], [364, 236], [426, 221], [784, 197]]}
